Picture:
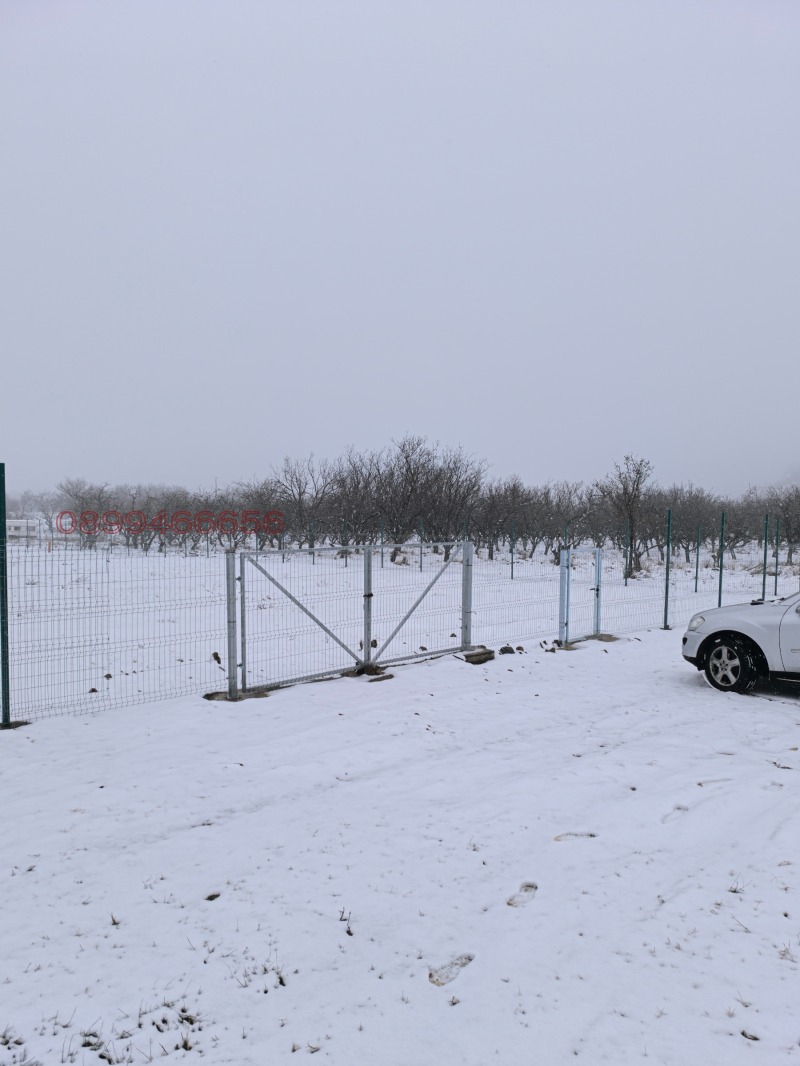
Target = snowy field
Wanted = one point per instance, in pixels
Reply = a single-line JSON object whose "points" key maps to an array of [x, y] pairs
{"points": [[581, 855]]}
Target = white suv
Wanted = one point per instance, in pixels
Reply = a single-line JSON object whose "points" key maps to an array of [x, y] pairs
{"points": [[738, 644]]}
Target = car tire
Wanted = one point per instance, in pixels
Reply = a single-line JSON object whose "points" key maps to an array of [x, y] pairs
{"points": [[731, 664]]}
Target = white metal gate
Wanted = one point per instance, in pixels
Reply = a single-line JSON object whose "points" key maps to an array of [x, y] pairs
{"points": [[581, 578], [297, 615]]}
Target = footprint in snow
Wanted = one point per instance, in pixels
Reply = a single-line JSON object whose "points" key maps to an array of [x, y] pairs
{"points": [[574, 836], [676, 810], [443, 975], [527, 890]]}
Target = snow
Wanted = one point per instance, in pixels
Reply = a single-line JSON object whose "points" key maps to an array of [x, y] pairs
{"points": [[582, 854]]}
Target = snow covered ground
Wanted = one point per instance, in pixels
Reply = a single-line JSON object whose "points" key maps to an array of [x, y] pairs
{"points": [[585, 854]]}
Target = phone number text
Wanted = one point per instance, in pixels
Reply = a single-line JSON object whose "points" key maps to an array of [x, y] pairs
{"points": [[136, 523]]}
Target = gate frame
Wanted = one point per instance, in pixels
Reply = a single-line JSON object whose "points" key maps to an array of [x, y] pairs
{"points": [[565, 589], [237, 642]]}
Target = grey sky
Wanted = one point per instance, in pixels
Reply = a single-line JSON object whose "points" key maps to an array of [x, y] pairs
{"points": [[553, 232]]}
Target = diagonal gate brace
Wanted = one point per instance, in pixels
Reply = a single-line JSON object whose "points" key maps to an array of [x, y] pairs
{"points": [[303, 608], [416, 604]]}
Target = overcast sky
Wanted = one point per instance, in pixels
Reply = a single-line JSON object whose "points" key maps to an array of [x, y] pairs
{"points": [[552, 231]]}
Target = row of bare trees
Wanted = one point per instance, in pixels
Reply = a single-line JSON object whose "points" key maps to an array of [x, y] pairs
{"points": [[418, 489]]}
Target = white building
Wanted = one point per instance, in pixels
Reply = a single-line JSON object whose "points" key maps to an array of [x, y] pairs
{"points": [[22, 530]]}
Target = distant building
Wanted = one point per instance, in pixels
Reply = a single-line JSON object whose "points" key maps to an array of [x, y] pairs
{"points": [[22, 530]]}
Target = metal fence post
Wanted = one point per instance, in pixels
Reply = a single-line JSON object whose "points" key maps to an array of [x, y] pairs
{"points": [[513, 539], [721, 556], [5, 683], [466, 595], [766, 549], [598, 585], [697, 561], [777, 549], [243, 621], [367, 604], [230, 585], [563, 596], [666, 576], [627, 551]]}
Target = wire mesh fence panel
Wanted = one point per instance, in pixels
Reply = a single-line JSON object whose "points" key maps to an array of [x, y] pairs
{"points": [[631, 599], [507, 611], [97, 629], [110, 625], [303, 615], [580, 589], [638, 600], [745, 572], [417, 601], [288, 598]]}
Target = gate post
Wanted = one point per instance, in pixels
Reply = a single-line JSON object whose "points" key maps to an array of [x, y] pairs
{"points": [[766, 549], [563, 595], [367, 605], [230, 596], [598, 585], [666, 573], [242, 622], [721, 559], [5, 684], [466, 595]]}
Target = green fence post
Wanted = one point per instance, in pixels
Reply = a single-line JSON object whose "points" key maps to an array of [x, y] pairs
{"points": [[5, 684], [627, 549], [766, 549], [697, 561], [512, 549], [721, 556], [381, 544], [421, 538], [777, 549]]}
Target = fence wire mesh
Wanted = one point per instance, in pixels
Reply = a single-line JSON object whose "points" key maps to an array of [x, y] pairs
{"points": [[303, 614], [96, 629], [509, 609], [108, 626], [280, 641]]}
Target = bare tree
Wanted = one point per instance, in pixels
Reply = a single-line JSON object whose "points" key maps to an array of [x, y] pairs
{"points": [[566, 510], [694, 510], [354, 501], [784, 503], [624, 492], [403, 476], [305, 488], [261, 497], [453, 488]]}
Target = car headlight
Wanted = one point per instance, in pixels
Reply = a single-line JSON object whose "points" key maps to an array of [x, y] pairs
{"points": [[696, 622]]}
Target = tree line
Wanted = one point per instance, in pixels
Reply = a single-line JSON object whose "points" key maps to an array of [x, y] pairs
{"points": [[415, 489]]}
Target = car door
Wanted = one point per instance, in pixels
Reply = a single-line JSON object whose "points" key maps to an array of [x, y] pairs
{"points": [[790, 639]]}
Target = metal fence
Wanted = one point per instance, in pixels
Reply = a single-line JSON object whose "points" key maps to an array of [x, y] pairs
{"points": [[304, 614], [99, 629], [109, 626]]}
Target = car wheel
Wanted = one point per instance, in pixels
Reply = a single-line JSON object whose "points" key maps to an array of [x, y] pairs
{"points": [[731, 665]]}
